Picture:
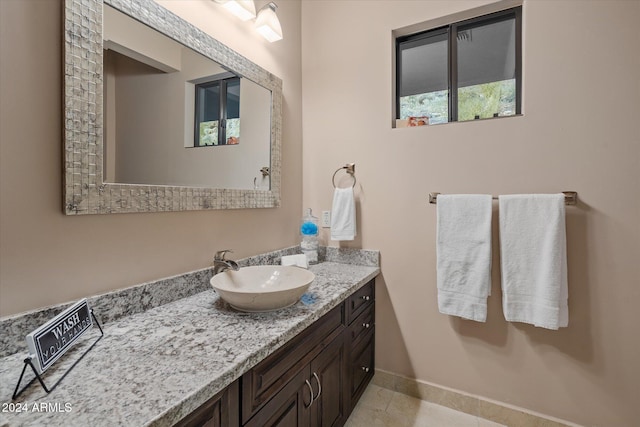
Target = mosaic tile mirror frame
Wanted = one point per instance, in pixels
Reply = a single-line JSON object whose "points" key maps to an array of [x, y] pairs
{"points": [[85, 191]]}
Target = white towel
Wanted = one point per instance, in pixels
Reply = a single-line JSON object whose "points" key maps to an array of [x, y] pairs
{"points": [[343, 214], [533, 255], [463, 251]]}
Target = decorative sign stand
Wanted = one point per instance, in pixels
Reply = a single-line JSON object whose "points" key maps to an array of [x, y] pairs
{"points": [[53, 339]]}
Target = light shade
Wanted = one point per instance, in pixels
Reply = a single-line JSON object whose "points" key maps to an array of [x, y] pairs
{"points": [[243, 9], [267, 23]]}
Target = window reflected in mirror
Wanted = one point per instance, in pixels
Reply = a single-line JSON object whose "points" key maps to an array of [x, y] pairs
{"points": [[217, 112]]}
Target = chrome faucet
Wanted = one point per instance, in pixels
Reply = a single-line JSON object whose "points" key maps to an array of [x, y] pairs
{"points": [[221, 264]]}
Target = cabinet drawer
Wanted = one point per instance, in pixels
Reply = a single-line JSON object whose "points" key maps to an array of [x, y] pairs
{"points": [[363, 324], [362, 365], [360, 300], [266, 379]]}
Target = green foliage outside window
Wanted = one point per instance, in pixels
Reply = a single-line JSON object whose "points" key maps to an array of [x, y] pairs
{"points": [[483, 100], [435, 105], [487, 99]]}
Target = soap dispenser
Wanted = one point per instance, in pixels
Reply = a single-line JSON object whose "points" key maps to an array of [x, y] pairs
{"points": [[309, 232]]}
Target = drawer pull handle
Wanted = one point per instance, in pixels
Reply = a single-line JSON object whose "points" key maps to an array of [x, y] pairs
{"points": [[311, 392], [365, 297], [366, 325], [319, 385], [364, 368]]}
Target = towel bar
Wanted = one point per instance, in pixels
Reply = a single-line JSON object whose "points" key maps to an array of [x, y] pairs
{"points": [[570, 198]]}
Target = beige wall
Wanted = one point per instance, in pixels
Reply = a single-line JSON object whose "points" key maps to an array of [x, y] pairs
{"points": [[47, 257], [580, 132]]}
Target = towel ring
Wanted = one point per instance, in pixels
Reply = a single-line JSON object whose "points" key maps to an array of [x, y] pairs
{"points": [[350, 169]]}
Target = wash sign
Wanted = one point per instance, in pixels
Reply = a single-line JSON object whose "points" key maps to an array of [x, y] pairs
{"points": [[53, 339]]}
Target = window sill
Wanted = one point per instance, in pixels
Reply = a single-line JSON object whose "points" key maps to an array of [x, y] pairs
{"points": [[395, 124]]}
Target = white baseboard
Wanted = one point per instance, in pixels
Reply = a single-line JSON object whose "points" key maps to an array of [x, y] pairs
{"points": [[474, 405]]}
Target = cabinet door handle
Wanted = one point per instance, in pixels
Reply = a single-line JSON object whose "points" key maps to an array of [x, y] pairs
{"points": [[366, 325], [319, 385], [311, 392], [364, 368], [365, 297]]}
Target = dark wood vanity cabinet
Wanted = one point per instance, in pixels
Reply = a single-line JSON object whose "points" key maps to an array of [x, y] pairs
{"points": [[360, 342], [361, 368], [314, 397], [222, 410], [314, 380], [318, 377], [308, 371], [329, 407]]}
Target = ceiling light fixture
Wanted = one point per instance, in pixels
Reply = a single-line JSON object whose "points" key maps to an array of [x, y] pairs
{"points": [[243, 9], [267, 23]]}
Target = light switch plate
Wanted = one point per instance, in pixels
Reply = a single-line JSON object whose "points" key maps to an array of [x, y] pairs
{"points": [[326, 219]]}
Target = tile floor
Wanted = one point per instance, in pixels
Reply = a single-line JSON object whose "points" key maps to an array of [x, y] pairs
{"points": [[381, 407]]}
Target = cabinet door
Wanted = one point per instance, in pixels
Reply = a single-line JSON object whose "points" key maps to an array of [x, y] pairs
{"points": [[328, 375], [288, 408], [267, 379], [222, 410]]}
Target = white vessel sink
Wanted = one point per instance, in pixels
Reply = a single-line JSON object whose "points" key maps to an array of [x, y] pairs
{"points": [[263, 287]]}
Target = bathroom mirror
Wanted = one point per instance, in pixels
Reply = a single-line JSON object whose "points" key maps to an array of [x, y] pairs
{"points": [[238, 172]]}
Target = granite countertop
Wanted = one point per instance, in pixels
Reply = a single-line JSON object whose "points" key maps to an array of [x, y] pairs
{"points": [[156, 366]]}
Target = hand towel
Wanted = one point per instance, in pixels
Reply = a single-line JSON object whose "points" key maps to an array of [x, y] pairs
{"points": [[534, 259], [343, 214], [463, 251]]}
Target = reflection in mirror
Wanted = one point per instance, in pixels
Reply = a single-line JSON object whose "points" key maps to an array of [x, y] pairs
{"points": [[217, 111], [144, 145], [162, 99]]}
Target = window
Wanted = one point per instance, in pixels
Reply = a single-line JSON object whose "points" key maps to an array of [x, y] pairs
{"points": [[465, 71], [217, 120]]}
